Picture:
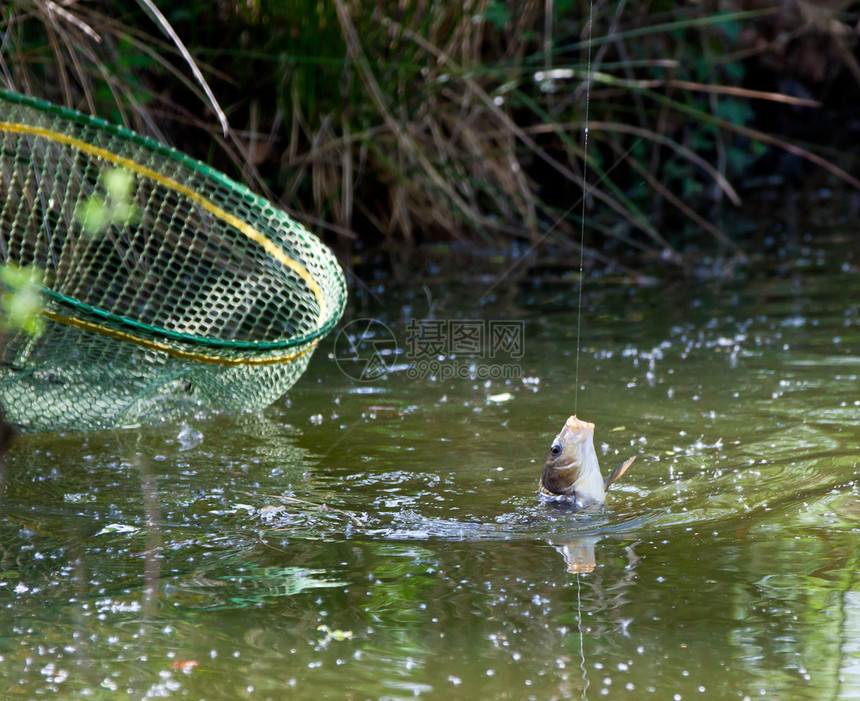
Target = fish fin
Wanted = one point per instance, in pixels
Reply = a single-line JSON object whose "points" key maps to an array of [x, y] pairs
{"points": [[617, 472]]}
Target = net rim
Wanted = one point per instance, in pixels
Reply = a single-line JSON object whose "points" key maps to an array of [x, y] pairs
{"points": [[133, 136], [329, 313]]}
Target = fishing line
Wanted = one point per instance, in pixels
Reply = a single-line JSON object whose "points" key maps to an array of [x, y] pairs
{"points": [[579, 320], [584, 197], [581, 639]]}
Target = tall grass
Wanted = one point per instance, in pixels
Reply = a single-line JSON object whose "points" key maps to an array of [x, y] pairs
{"points": [[396, 123]]}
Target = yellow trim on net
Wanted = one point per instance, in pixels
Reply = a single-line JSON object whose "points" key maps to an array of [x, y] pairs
{"points": [[170, 350], [271, 248]]}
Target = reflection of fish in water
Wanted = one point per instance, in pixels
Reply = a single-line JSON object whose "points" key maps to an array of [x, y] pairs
{"points": [[578, 554], [571, 474]]}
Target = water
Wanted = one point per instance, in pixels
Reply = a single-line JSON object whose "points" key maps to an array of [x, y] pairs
{"points": [[383, 539]]}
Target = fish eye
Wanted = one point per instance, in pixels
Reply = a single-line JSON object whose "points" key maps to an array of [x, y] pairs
{"points": [[556, 449]]}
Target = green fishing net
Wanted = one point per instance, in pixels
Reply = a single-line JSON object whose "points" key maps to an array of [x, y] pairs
{"points": [[166, 287]]}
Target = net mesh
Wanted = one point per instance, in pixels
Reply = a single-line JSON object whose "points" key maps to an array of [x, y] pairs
{"points": [[167, 287]]}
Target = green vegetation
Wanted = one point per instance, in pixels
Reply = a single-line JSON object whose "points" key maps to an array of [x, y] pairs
{"points": [[114, 206], [392, 124], [20, 306], [21, 300]]}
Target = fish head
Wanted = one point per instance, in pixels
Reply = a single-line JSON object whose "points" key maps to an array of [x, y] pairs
{"points": [[567, 455]]}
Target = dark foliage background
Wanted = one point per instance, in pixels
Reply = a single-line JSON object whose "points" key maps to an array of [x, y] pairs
{"points": [[385, 126]]}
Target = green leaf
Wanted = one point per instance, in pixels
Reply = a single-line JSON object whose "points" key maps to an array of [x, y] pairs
{"points": [[497, 14], [98, 212], [118, 182], [92, 214], [21, 303], [734, 111]]}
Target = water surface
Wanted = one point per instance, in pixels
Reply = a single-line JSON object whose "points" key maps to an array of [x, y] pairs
{"points": [[383, 539]]}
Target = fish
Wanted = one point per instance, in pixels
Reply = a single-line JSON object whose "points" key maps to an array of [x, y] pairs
{"points": [[571, 473]]}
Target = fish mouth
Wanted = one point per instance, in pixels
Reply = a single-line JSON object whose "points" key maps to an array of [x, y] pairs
{"points": [[578, 424]]}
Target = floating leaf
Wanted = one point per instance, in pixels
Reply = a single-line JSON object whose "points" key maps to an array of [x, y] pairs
{"points": [[335, 634]]}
